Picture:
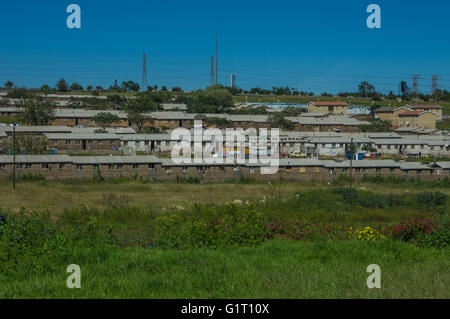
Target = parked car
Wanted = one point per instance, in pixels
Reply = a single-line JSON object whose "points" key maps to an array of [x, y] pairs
{"points": [[297, 155]]}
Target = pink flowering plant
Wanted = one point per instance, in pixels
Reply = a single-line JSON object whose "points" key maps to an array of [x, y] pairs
{"points": [[411, 230]]}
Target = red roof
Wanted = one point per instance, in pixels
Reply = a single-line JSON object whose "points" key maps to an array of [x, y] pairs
{"points": [[407, 113], [425, 107], [330, 103]]}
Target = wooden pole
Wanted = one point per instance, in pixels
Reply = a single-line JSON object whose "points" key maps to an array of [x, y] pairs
{"points": [[14, 157], [351, 160]]}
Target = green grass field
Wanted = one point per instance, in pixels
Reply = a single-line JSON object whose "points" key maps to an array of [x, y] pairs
{"points": [[276, 269], [137, 239]]}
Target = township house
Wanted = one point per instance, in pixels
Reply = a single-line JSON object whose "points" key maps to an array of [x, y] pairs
{"points": [[335, 108], [411, 116], [154, 168], [175, 119]]}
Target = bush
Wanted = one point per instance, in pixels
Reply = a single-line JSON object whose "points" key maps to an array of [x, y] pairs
{"points": [[431, 199], [239, 226], [410, 231]]}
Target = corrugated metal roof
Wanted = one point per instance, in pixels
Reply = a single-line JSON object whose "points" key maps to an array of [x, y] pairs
{"points": [[92, 160], [87, 136], [445, 165], [361, 164], [413, 166], [35, 159]]}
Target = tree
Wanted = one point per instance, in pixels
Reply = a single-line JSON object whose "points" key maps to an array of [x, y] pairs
{"points": [[76, 87], [29, 144], [277, 120], [138, 110], [215, 99], [130, 86], [89, 88], [163, 88], [62, 86], [366, 89], [105, 118], [176, 89], [9, 84], [46, 89], [20, 93], [36, 111]]}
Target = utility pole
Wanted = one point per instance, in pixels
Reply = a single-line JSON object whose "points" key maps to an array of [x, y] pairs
{"points": [[351, 160], [144, 72], [211, 78], [14, 154], [434, 85], [416, 78]]}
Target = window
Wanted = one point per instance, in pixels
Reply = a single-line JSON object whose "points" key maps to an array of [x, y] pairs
{"points": [[146, 143], [135, 166], [358, 170], [222, 168], [89, 141], [366, 170], [412, 147], [119, 166], [99, 142], [151, 165], [55, 142], [344, 170], [331, 171], [78, 141], [252, 170], [199, 168], [388, 147], [95, 167], [28, 166], [111, 142], [45, 165], [168, 170], [61, 165], [378, 170], [391, 169], [67, 141], [2, 166], [302, 169], [184, 169], [79, 167], [19, 166], [111, 166], [418, 172]]}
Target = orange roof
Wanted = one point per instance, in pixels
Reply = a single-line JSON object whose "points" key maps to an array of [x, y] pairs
{"points": [[330, 103], [407, 113]]}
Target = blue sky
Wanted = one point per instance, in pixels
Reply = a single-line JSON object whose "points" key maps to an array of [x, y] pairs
{"points": [[310, 45]]}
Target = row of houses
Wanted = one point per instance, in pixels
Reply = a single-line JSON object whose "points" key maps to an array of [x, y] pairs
{"points": [[65, 139], [411, 116], [175, 119], [154, 168]]}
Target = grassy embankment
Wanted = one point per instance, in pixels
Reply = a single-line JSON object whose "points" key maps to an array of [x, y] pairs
{"points": [[166, 240]]}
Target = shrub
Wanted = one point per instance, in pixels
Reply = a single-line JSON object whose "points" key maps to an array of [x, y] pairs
{"points": [[239, 226], [431, 199], [367, 233], [411, 230]]}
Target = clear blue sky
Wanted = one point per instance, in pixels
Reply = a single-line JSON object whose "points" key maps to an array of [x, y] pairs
{"points": [[321, 45]]}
